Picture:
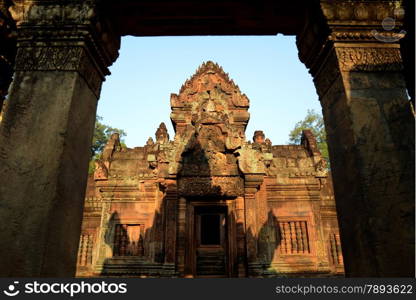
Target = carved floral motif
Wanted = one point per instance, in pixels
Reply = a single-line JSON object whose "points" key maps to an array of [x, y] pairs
{"points": [[69, 37], [51, 13], [211, 186], [59, 59], [361, 11], [369, 59]]}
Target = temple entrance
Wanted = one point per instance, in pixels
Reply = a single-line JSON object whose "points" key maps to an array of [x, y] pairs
{"points": [[210, 239]]}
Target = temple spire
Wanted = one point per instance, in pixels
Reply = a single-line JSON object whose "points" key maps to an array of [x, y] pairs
{"points": [[162, 135]]}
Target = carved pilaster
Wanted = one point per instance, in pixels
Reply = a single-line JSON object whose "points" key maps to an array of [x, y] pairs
{"points": [[251, 229], [369, 59], [181, 236], [64, 50], [351, 36], [105, 238], [67, 36], [252, 183], [352, 51], [251, 164], [60, 58], [171, 198], [241, 241]]}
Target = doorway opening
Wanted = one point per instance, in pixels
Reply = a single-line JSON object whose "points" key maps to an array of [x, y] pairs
{"points": [[211, 241]]}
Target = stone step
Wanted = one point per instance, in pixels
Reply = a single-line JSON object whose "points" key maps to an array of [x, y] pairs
{"points": [[211, 272], [211, 266], [212, 257], [210, 254], [211, 263]]}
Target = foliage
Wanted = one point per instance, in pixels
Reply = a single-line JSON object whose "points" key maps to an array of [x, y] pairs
{"points": [[315, 123]]}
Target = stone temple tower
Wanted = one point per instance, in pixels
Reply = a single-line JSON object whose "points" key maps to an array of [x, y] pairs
{"points": [[209, 203]]}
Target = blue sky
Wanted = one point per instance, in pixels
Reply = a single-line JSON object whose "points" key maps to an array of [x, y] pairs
{"points": [[136, 97]]}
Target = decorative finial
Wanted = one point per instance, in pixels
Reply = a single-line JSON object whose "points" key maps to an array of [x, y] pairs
{"points": [[150, 142], [258, 137], [162, 135]]}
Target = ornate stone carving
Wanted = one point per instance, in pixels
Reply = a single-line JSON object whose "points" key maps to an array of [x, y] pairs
{"points": [[208, 167], [49, 58], [211, 186], [250, 160], [370, 68], [261, 143], [204, 78], [369, 59], [207, 131], [59, 59], [351, 22], [234, 139], [321, 168], [342, 12], [151, 158], [150, 142], [258, 137], [294, 237], [222, 97], [77, 20], [69, 37], [86, 245], [101, 170], [380, 35], [162, 136]]}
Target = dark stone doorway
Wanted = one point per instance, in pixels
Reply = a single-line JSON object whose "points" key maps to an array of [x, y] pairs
{"points": [[211, 241]]}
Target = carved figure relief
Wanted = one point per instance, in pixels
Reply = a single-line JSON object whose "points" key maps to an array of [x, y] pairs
{"points": [[101, 171]]}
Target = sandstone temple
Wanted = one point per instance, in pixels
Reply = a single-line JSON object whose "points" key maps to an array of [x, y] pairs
{"points": [[54, 58], [209, 203]]}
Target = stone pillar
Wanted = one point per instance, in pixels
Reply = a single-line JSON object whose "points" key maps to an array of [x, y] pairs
{"points": [[357, 71], [105, 240], [241, 241], [181, 244], [171, 206], [407, 47], [63, 52], [7, 51], [252, 183]]}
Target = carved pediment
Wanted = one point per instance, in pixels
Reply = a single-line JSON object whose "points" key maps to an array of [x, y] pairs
{"points": [[207, 132], [209, 97]]}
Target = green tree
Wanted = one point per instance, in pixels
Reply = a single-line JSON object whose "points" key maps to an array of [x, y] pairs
{"points": [[315, 123], [102, 133]]}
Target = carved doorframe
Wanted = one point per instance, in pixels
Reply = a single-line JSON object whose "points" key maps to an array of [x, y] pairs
{"points": [[231, 235]]}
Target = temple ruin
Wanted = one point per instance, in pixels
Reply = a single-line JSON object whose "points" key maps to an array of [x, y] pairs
{"points": [[55, 55], [237, 208]]}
